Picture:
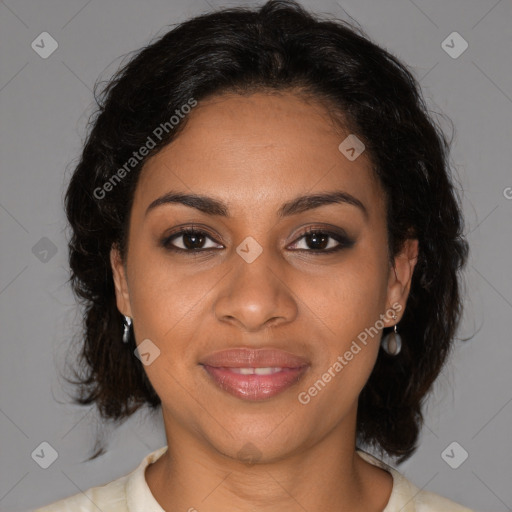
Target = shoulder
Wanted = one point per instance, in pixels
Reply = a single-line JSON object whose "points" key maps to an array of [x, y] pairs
{"points": [[426, 501], [129, 492], [406, 497], [110, 497]]}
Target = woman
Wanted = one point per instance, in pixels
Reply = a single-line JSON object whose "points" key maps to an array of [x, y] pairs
{"points": [[261, 200]]}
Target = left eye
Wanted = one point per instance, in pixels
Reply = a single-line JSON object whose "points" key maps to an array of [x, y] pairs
{"points": [[323, 241]]}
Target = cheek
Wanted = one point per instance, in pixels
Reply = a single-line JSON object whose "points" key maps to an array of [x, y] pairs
{"points": [[166, 305], [350, 296], [167, 300], [346, 306]]}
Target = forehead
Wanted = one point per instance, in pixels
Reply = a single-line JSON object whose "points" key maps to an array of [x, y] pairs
{"points": [[257, 150]]}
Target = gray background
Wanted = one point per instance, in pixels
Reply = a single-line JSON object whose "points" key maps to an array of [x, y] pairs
{"points": [[44, 104]]}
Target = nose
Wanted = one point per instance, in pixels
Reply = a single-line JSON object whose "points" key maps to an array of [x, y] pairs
{"points": [[256, 295]]}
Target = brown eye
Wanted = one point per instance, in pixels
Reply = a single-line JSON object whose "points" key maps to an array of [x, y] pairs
{"points": [[322, 241], [192, 240]]}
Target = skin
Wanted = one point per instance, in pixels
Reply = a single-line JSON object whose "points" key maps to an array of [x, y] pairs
{"points": [[254, 153]]}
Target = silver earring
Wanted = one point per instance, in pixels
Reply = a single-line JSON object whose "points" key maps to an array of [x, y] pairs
{"points": [[126, 332], [392, 342]]}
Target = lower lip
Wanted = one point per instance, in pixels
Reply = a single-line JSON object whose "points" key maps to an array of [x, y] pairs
{"points": [[255, 387]]}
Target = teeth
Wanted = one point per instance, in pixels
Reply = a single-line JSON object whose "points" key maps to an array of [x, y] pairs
{"points": [[257, 371]]}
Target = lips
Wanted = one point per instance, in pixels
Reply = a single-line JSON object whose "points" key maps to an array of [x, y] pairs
{"points": [[254, 374], [254, 358]]}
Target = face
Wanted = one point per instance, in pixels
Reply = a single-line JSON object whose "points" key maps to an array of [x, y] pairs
{"points": [[251, 276]]}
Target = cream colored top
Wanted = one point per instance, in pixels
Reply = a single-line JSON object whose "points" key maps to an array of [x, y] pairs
{"points": [[131, 493]]}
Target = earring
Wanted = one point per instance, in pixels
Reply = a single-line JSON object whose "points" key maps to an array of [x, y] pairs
{"points": [[392, 342], [126, 332]]}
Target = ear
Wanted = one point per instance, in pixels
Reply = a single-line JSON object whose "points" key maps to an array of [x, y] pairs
{"points": [[400, 276], [120, 282]]}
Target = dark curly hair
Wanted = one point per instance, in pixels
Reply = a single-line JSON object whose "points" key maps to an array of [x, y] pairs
{"points": [[277, 47]]}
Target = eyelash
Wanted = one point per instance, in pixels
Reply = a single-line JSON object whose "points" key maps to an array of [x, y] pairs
{"points": [[343, 241]]}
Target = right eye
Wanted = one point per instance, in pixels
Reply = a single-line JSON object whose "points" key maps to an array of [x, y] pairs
{"points": [[192, 240]]}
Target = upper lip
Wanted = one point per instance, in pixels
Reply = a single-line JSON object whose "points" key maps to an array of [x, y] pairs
{"points": [[254, 358]]}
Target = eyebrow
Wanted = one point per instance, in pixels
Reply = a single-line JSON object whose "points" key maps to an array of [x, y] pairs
{"points": [[212, 206]]}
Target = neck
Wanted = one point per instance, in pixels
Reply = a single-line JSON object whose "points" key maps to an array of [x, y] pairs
{"points": [[327, 476]]}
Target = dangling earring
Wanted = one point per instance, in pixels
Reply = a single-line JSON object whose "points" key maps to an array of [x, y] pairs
{"points": [[127, 325], [392, 342]]}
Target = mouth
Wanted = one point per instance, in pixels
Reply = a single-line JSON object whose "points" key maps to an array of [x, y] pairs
{"points": [[254, 374]]}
